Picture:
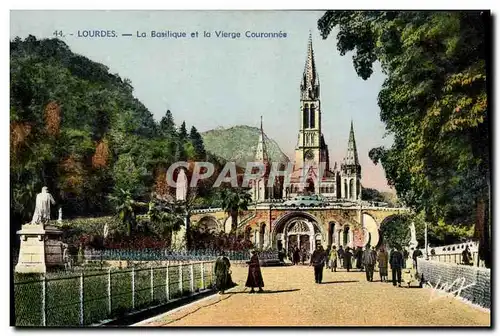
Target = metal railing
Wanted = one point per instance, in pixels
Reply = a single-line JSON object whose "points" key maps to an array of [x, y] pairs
{"points": [[92, 298], [169, 255], [454, 258]]}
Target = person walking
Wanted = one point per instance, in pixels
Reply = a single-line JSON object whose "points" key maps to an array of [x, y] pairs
{"points": [[222, 276], [396, 266], [254, 278], [358, 255], [341, 256], [383, 261], [416, 254], [318, 261], [347, 259], [333, 259], [369, 262], [296, 255], [466, 256]]}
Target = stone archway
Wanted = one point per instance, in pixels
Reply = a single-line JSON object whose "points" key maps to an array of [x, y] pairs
{"points": [[297, 229]]}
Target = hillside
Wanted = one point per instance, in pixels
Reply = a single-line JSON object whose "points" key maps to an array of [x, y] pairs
{"points": [[239, 144], [79, 130]]}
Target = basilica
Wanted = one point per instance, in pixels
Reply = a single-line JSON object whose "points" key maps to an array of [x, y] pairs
{"points": [[312, 173]]}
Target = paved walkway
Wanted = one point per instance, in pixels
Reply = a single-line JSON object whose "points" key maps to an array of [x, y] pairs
{"points": [[292, 298]]}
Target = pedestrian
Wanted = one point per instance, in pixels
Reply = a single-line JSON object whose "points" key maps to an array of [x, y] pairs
{"points": [[223, 279], [318, 261], [303, 256], [466, 256], [416, 254], [333, 259], [341, 256], [359, 258], [296, 255], [383, 260], [406, 255], [254, 278], [347, 259], [396, 260], [327, 252], [369, 262]]}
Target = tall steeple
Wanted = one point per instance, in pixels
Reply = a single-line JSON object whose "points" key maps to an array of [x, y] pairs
{"points": [[261, 152], [352, 153], [309, 87]]}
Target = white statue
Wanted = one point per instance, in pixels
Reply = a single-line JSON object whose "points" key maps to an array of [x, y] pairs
{"points": [[60, 216], [413, 236], [181, 186], [42, 207]]}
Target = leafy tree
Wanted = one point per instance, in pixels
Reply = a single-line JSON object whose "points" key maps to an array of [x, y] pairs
{"points": [[233, 201], [167, 125], [434, 102], [183, 132], [396, 231], [197, 142], [125, 208]]}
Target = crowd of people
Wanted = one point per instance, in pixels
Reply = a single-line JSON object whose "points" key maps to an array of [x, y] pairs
{"points": [[364, 260], [332, 258]]}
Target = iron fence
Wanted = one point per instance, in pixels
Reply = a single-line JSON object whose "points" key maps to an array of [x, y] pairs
{"points": [[456, 258], [168, 255], [92, 298]]}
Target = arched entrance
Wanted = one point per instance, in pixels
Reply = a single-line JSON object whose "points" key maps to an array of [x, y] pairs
{"points": [[297, 229]]}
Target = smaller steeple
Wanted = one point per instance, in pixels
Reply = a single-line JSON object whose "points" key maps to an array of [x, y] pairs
{"points": [[261, 152], [352, 153]]}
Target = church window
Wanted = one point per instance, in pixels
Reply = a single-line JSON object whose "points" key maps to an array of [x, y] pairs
{"points": [[306, 116], [313, 117]]}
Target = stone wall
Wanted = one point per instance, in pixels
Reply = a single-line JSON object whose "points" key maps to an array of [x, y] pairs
{"points": [[475, 281]]}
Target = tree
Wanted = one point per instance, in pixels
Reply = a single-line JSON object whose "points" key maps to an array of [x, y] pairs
{"points": [[183, 132], [167, 125], [396, 231], [197, 142], [233, 201], [434, 102], [125, 209]]}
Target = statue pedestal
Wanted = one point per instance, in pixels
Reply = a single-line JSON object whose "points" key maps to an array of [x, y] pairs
{"points": [[41, 248]]}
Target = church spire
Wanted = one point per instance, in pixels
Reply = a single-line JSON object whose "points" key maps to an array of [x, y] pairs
{"points": [[309, 86], [261, 152], [352, 153]]}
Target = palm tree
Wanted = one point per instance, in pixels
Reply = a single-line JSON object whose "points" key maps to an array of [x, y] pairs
{"points": [[233, 201], [124, 206]]}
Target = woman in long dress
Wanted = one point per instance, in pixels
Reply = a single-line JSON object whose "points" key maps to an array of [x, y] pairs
{"points": [[383, 261], [254, 278]]}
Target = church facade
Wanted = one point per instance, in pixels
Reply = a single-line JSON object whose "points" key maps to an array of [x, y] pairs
{"points": [[311, 172]]}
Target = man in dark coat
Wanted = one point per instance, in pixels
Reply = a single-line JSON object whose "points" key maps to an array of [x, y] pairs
{"points": [[416, 254], [347, 259], [254, 278], [296, 256], [369, 262], [466, 256], [223, 279], [396, 261], [340, 253], [318, 261], [358, 255]]}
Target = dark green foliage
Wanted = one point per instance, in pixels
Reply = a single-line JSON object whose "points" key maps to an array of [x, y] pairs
{"points": [[434, 102], [77, 129]]}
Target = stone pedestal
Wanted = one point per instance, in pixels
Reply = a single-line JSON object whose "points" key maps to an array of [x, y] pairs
{"points": [[41, 248]]}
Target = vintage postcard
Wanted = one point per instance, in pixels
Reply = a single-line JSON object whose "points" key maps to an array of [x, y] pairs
{"points": [[250, 168]]}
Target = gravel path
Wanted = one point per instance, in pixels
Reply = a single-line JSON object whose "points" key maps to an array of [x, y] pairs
{"points": [[292, 298]]}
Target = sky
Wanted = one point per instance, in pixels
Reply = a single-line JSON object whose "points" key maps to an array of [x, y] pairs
{"points": [[212, 82]]}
